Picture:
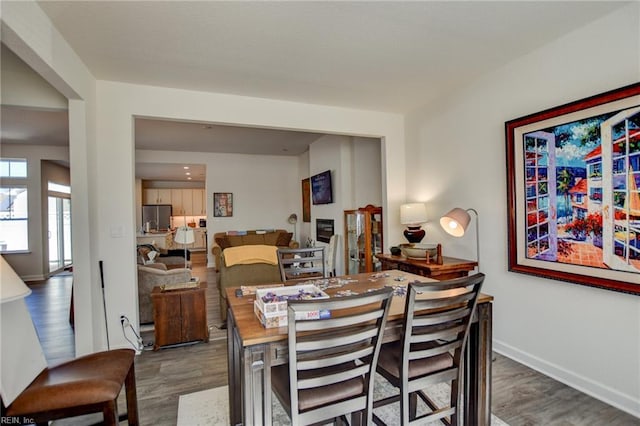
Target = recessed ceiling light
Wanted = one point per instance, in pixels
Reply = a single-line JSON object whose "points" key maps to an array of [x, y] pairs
{"points": [[188, 174], [188, 178], [186, 167]]}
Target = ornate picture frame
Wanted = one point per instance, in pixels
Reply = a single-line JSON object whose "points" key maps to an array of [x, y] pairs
{"points": [[573, 174]]}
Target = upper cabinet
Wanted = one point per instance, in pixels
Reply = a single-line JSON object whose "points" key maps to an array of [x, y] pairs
{"points": [[157, 196], [199, 202], [184, 201]]}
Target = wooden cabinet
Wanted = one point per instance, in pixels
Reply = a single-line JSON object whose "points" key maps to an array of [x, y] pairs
{"points": [[177, 202], [199, 202], [200, 236], [184, 201], [363, 239], [156, 196], [179, 316], [449, 268]]}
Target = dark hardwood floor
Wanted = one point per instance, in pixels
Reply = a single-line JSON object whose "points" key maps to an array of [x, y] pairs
{"points": [[521, 396]]}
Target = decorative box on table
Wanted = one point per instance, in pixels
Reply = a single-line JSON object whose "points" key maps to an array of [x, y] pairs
{"points": [[270, 305]]}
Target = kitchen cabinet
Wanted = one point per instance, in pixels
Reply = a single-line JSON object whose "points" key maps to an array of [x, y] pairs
{"points": [[156, 196], [199, 202], [187, 202], [184, 201], [363, 239], [200, 236], [177, 202]]}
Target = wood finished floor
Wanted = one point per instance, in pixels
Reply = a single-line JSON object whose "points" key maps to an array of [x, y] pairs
{"points": [[521, 396]]}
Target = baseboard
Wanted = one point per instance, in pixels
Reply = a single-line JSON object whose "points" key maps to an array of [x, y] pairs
{"points": [[613, 397], [28, 278]]}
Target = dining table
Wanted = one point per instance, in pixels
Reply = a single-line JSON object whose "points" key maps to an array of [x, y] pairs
{"points": [[254, 349]]}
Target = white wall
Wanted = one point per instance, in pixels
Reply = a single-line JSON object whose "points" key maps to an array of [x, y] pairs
{"points": [[266, 189], [27, 31], [33, 265], [119, 103], [356, 174], [586, 337]]}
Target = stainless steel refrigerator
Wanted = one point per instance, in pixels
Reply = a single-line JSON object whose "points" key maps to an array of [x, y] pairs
{"points": [[158, 216]]}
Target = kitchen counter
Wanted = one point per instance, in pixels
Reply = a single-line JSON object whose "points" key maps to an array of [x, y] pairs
{"points": [[162, 239]]}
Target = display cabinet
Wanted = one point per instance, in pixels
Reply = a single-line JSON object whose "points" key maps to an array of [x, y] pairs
{"points": [[363, 239]]}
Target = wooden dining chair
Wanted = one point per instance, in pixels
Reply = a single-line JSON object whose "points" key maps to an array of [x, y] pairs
{"points": [[325, 378], [84, 385], [435, 331], [301, 263]]}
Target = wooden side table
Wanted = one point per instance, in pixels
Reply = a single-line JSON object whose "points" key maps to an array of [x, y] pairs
{"points": [[449, 269], [179, 316]]}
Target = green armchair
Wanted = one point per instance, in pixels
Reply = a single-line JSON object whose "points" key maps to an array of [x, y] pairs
{"points": [[254, 273]]}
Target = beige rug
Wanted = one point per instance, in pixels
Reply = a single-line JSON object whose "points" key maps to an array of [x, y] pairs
{"points": [[211, 407]]}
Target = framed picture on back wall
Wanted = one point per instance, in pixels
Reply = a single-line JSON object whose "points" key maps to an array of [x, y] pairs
{"points": [[222, 204]]}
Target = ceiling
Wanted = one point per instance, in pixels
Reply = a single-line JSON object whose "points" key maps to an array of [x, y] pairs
{"points": [[385, 56]]}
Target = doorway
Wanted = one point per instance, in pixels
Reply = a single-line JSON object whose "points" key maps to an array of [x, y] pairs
{"points": [[59, 231]]}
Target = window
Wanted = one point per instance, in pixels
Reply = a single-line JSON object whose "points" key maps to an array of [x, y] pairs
{"points": [[15, 168], [14, 219]]}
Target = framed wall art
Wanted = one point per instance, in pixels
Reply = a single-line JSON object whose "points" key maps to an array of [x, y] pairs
{"points": [[306, 200], [573, 179], [222, 204]]}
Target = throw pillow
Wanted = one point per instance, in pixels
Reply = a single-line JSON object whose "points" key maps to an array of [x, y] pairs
{"points": [[253, 239], [223, 242], [234, 240], [284, 239], [270, 238]]}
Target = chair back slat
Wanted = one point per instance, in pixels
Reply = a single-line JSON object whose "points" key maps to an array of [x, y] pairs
{"points": [[339, 322], [301, 263], [329, 379], [438, 350], [441, 317], [335, 351], [335, 360], [334, 341]]}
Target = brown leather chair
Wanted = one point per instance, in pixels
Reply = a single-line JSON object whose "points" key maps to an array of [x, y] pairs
{"points": [[88, 384]]}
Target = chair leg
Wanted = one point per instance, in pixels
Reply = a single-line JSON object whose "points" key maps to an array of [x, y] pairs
{"points": [[454, 402], [357, 418], [110, 413], [132, 396], [413, 405]]}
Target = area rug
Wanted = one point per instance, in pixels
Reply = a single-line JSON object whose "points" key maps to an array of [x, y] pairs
{"points": [[211, 407]]}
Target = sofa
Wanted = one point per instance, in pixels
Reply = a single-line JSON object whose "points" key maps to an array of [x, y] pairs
{"points": [[247, 268], [223, 240], [155, 275]]}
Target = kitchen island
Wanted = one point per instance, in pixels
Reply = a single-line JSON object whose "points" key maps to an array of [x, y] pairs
{"points": [[163, 240]]}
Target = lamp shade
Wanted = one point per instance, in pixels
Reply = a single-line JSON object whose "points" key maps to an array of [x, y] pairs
{"points": [[184, 235], [11, 285], [413, 214], [455, 222]]}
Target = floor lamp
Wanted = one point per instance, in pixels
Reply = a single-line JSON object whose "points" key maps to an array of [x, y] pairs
{"points": [[456, 222], [184, 236]]}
